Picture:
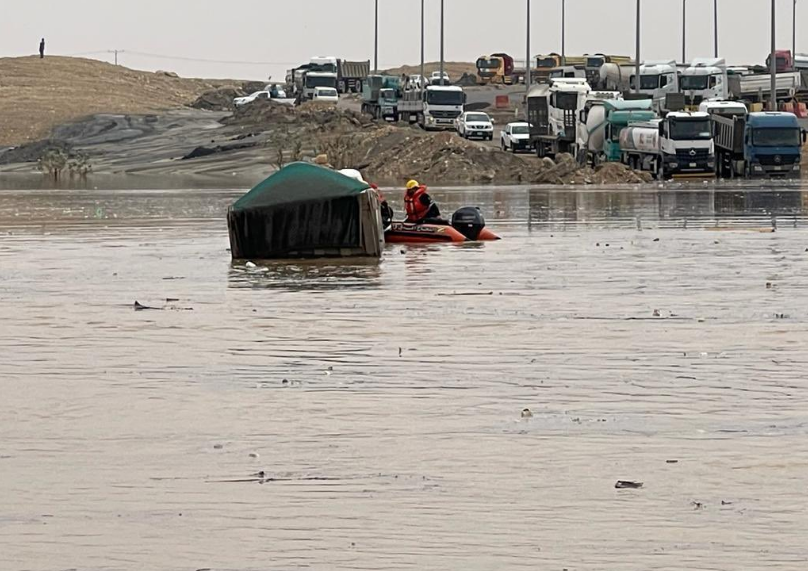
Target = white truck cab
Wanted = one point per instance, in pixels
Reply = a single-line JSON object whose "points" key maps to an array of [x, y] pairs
{"points": [[657, 80], [704, 79], [436, 107]]}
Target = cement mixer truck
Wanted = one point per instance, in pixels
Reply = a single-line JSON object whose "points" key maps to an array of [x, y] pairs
{"points": [[600, 125], [679, 144]]}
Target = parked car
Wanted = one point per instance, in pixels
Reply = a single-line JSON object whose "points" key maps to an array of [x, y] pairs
{"points": [[327, 94], [475, 124], [239, 101], [435, 78], [515, 137]]}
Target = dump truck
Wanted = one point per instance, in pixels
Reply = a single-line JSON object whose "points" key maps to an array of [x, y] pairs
{"points": [[552, 113], [351, 75], [434, 108], [496, 68], [679, 144], [380, 96], [764, 144]]}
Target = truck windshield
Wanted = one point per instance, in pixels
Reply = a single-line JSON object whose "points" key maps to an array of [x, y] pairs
{"points": [[690, 129], [444, 97], [520, 130], [778, 137], [492, 63], [649, 81], [387, 93], [594, 62], [546, 62], [694, 82], [321, 81], [323, 67]]}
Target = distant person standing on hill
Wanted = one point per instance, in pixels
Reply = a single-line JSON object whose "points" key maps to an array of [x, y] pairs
{"points": [[42, 49]]}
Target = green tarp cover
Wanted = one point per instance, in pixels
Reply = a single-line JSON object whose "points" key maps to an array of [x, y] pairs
{"points": [[300, 182]]}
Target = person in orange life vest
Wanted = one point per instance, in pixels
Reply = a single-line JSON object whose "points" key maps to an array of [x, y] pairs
{"points": [[420, 206]]}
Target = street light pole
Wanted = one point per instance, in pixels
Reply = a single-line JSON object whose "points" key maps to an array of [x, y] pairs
{"points": [[715, 25], [441, 41], [637, 63], [794, 31], [528, 78], [376, 41], [563, 32], [684, 31], [422, 44], [773, 65]]}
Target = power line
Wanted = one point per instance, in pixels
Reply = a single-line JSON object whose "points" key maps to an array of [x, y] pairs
{"points": [[205, 60]]}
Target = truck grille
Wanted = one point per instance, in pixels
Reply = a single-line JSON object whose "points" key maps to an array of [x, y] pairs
{"points": [[772, 160], [692, 155], [445, 114]]}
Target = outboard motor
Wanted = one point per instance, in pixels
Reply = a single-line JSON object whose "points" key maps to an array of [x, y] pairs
{"points": [[468, 221]]}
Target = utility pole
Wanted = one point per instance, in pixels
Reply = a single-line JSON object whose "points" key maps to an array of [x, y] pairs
{"points": [[773, 65], [684, 31], [563, 32], [422, 45], [715, 25], [528, 78], [794, 31], [376, 41], [116, 52], [441, 42], [637, 63]]}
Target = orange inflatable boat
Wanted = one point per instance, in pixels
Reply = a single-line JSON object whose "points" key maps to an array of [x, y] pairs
{"points": [[467, 225]]}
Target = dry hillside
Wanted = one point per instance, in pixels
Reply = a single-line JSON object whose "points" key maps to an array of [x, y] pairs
{"points": [[36, 95], [455, 69]]}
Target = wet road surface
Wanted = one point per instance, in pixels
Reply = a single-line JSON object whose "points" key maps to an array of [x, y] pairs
{"points": [[350, 415]]}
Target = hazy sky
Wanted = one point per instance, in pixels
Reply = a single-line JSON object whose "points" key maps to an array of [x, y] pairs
{"points": [[278, 34]]}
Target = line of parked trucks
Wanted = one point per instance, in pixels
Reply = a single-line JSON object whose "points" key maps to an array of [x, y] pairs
{"points": [[721, 138]]}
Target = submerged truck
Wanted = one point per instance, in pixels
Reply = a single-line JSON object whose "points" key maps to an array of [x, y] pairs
{"points": [[600, 123], [553, 112], [496, 68], [433, 108], [757, 145], [679, 144], [380, 95]]}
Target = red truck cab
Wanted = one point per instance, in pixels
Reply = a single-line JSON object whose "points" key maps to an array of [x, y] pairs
{"points": [[785, 61]]}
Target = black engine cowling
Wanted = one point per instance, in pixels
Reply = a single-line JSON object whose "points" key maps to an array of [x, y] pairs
{"points": [[469, 221]]}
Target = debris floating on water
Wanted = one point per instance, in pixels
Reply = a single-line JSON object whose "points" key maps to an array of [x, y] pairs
{"points": [[628, 485]]}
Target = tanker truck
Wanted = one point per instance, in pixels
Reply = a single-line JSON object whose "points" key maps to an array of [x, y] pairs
{"points": [[600, 124], [679, 144], [616, 77]]}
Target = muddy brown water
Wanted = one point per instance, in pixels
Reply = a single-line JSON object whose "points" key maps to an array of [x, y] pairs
{"points": [[397, 441]]}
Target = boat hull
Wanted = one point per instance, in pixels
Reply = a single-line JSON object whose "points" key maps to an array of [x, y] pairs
{"points": [[404, 233]]}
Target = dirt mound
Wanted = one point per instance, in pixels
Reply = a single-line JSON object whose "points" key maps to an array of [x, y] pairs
{"points": [[566, 171], [309, 119], [218, 99], [467, 80], [397, 154], [38, 94]]}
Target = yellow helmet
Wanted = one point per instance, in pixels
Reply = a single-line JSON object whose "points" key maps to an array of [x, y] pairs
{"points": [[412, 184]]}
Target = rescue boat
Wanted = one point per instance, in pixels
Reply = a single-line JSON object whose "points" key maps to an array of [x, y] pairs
{"points": [[467, 225]]}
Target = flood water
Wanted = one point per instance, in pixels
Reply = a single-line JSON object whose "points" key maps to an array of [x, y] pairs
{"points": [[132, 439]]}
